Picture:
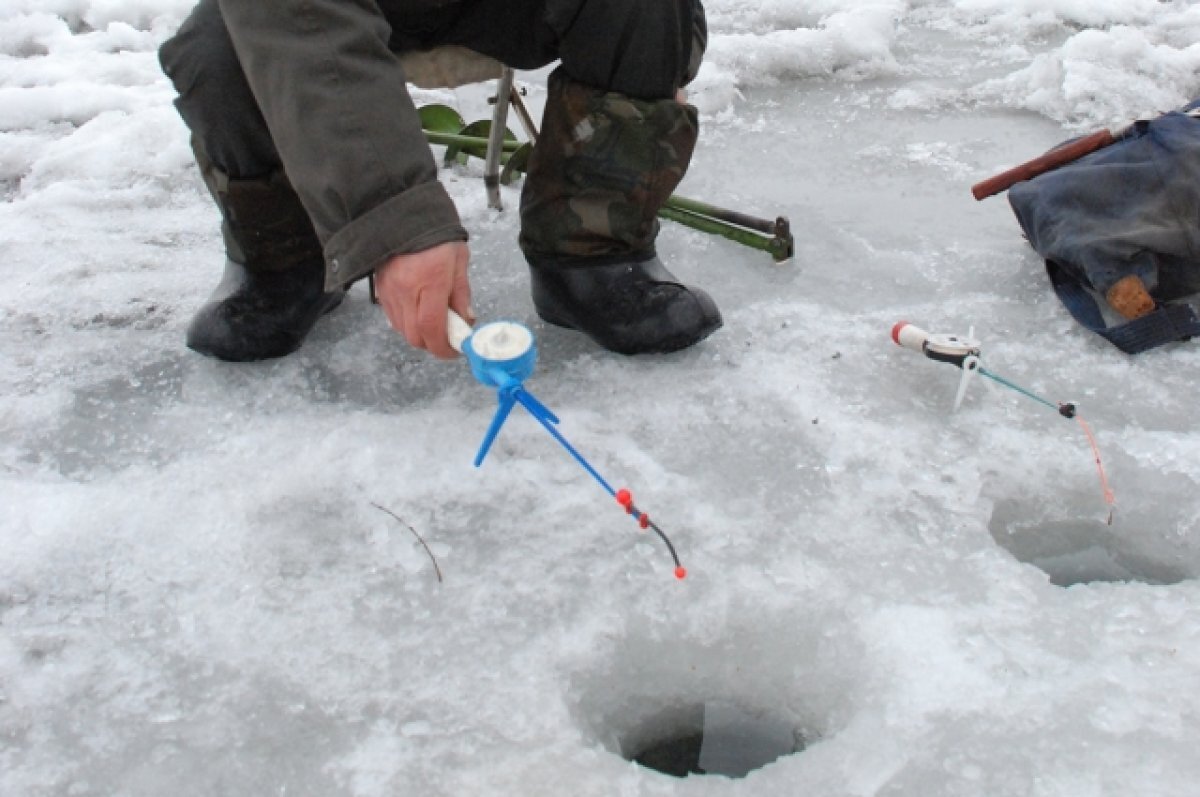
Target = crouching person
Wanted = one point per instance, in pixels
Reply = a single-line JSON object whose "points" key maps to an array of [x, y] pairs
{"points": [[310, 145]]}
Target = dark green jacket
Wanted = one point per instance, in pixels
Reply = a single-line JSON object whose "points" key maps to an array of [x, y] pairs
{"points": [[335, 99]]}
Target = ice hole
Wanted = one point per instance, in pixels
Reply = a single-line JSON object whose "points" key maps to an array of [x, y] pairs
{"points": [[752, 692], [1087, 550], [711, 738]]}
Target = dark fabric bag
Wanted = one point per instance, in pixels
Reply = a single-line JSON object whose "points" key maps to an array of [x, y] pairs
{"points": [[1129, 209]]}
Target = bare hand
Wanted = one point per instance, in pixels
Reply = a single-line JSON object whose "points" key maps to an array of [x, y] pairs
{"points": [[415, 290]]}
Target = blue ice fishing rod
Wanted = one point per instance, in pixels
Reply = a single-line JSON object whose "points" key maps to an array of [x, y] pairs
{"points": [[502, 355]]}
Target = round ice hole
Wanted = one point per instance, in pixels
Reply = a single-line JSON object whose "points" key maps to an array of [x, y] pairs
{"points": [[711, 738], [1072, 551]]}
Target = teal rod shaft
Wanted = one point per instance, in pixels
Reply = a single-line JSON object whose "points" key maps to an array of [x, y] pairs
{"points": [[1016, 387]]}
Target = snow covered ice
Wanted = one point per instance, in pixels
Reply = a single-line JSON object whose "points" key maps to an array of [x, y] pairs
{"points": [[197, 596]]}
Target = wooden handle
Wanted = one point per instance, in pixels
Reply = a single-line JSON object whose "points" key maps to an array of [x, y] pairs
{"points": [[1051, 160]]}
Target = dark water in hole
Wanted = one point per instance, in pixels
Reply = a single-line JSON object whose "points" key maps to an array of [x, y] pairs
{"points": [[730, 741], [679, 757]]}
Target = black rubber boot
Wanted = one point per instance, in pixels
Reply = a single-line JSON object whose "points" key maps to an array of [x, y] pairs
{"points": [[604, 164], [273, 289], [629, 307], [257, 315]]}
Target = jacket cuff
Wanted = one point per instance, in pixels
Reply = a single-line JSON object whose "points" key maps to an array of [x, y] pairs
{"points": [[421, 217]]}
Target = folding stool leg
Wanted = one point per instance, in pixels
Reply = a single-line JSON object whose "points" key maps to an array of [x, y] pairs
{"points": [[491, 175]]}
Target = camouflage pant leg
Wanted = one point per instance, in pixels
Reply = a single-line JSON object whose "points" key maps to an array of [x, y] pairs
{"points": [[603, 166]]}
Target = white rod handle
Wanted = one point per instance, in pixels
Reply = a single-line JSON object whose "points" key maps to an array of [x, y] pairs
{"points": [[909, 336], [457, 330]]}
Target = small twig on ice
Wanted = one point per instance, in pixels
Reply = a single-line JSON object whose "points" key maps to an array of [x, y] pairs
{"points": [[436, 569]]}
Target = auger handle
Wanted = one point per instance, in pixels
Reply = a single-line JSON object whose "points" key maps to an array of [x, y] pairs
{"points": [[1040, 165]]}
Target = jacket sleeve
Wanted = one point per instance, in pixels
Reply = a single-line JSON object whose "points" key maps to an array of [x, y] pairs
{"points": [[335, 100]]}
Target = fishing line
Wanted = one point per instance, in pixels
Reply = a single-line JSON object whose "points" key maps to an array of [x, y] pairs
{"points": [[1109, 497]]}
